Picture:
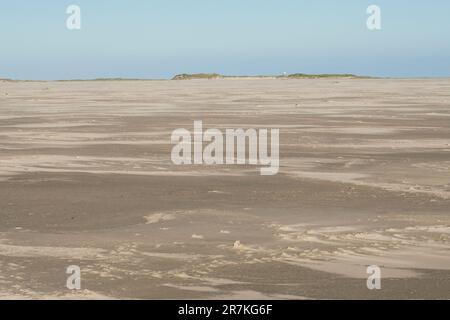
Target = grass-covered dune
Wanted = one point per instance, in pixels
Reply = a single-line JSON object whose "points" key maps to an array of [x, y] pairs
{"points": [[187, 76]]}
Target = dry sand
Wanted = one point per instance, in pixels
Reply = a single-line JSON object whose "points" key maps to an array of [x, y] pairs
{"points": [[86, 179]]}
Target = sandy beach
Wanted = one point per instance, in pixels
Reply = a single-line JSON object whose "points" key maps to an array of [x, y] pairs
{"points": [[86, 179]]}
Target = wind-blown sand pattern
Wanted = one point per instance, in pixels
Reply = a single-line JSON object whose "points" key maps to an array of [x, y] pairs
{"points": [[86, 179]]}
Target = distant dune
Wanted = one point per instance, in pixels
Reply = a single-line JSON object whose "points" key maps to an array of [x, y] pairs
{"points": [[325, 75], [186, 76]]}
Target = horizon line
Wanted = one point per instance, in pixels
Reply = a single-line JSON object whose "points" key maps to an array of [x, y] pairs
{"points": [[217, 76]]}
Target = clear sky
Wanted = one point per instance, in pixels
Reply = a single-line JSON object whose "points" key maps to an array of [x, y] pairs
{"points": [[160, 38]]}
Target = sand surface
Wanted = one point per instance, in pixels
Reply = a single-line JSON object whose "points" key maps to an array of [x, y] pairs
{"points": [[86, 179]]}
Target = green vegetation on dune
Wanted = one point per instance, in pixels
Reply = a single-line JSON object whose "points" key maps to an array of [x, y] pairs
{"points": [[186, 76]]}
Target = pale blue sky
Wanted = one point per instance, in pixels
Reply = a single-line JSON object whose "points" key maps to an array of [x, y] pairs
{"points": [[160, 38]]}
